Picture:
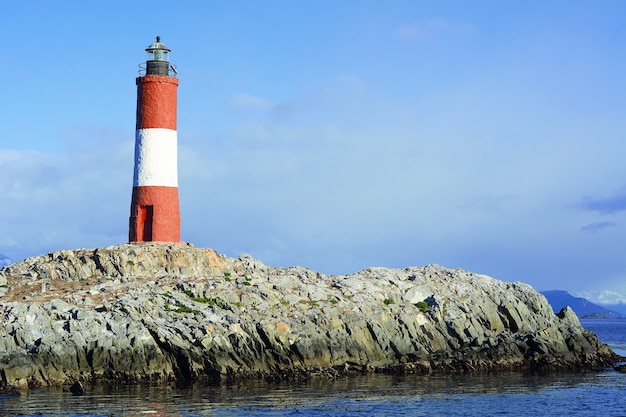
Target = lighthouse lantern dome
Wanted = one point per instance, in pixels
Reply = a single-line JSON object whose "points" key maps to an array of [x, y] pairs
{"points": [[157, 58]]}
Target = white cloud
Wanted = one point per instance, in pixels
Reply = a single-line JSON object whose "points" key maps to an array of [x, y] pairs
{"points": [[65, 200], [602, 297], [248, 102], [352, 178]]}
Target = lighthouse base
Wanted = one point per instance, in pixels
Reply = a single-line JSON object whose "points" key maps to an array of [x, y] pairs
{"points": [[154, 215]]}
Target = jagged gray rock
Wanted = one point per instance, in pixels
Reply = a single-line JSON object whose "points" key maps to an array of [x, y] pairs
{"points": [[152, 311]]}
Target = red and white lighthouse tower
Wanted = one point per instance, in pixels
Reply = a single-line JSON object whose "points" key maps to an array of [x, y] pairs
{"points": [[154, 209]]}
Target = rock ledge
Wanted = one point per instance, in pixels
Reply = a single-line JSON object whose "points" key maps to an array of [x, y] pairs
{"points": [[158, 312]]}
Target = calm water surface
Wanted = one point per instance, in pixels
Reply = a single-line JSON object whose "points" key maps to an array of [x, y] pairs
{"points": [[572, 394]]}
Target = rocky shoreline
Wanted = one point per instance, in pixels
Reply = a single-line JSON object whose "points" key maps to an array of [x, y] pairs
{"points": [[156, 312]]}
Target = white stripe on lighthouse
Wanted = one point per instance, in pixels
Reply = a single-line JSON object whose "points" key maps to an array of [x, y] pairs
{"points": [[155, 158]]}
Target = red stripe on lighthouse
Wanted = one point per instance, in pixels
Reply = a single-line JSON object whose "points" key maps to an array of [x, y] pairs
{"points": [[155, 211], [156, 102]]}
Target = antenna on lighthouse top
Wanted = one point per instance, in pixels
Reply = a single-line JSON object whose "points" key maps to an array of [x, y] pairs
{"points": [[157, 58]]}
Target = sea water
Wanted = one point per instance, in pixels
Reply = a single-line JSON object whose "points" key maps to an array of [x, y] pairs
{"points": [[510, 394]]}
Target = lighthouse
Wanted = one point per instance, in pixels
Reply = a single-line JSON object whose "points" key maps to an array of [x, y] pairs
{"points": [[154, 208]]}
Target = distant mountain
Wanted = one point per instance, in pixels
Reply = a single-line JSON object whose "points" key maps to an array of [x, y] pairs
{"points": [[581, 306], [4, 261]]}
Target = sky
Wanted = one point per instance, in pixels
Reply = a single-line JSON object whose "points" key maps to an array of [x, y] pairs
{"points": [[334, 135]]}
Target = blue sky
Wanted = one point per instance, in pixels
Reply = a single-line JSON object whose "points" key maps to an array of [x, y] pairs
{"points": [[335, 135]]}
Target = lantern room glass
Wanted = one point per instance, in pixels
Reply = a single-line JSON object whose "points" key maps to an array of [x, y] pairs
{"points": [[157, 55]]}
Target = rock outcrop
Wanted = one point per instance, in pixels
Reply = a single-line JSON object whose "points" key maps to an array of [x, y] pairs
{"points": [[158, 312]]}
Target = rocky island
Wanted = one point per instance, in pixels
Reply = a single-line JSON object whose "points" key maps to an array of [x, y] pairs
{"points": [[156, 312]]}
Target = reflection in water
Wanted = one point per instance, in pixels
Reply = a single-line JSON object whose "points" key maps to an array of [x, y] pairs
{"points": [[472, 395]]}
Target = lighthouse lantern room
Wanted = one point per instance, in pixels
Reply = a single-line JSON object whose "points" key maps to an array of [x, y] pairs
{"points": [[154, 210], [157, 58]]}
